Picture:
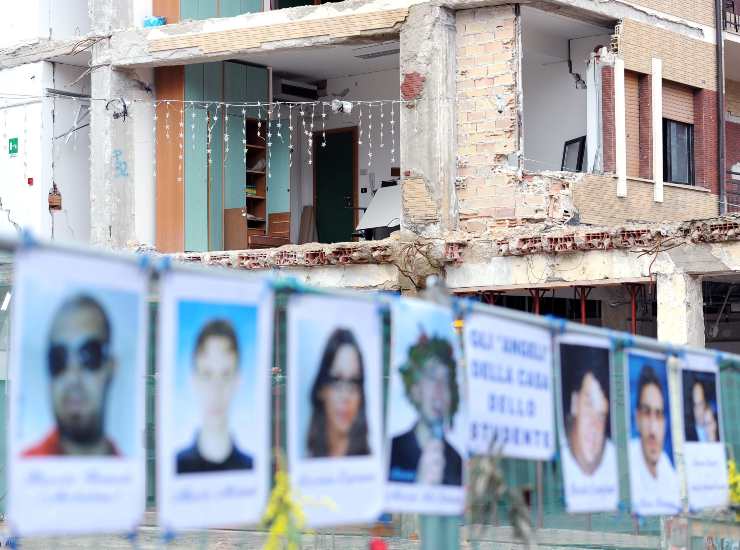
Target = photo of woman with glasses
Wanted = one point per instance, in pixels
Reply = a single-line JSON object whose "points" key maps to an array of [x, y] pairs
{"points": [[338, 425], [334, 383]]}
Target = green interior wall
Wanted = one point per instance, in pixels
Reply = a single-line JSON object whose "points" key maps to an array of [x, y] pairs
{"points": [[211, 187], [195, 163], [204, 9], [213, 88], [235, 90], [198, 9], [278, 182]]}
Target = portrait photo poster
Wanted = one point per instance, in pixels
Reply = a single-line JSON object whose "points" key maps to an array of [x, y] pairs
{"points": [[77, 371], [427, 426], [703, 447], [586, 404], [213, 409], [334, 378], [509, 374], [654, 481]]}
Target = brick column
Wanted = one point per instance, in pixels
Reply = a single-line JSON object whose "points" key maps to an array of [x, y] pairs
{"points": [[608, 136], [705, 140]]}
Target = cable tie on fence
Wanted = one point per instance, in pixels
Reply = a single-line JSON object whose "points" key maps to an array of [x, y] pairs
{"points": [[620, 340], [27, 239], [462, 307], [145, 262], [132, 537], [382, 303], [168, 536], [165, 264], [556, 324]]}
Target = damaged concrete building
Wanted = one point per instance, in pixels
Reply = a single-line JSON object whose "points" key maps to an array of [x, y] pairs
{"points": [[570, 157]]}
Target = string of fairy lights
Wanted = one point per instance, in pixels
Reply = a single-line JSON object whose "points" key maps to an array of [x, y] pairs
{"points": [[298, 123]]}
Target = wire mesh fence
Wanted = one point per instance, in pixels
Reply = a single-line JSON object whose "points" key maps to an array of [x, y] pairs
{"points": [[545, 499]]}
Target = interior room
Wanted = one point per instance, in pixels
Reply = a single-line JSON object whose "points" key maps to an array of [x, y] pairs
{"points": [[312, 166], [561, 90]]}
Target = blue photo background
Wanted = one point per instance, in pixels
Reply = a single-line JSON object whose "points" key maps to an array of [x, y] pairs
{"points": [[708, 380], [36, 418], [191, 317], [636, 363]]}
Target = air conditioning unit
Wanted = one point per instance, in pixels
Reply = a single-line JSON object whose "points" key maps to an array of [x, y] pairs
{"points": [[290, 90]]}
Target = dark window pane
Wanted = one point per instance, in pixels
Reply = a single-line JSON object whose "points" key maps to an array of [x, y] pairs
{"points": [[678, 154]]}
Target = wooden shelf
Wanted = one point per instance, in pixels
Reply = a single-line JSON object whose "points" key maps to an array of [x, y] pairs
{"points": [[257, 172], [253, 146], [255, 197]]}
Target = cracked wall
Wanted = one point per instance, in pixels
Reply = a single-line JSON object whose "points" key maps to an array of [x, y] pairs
{"points": [[427, 128]]}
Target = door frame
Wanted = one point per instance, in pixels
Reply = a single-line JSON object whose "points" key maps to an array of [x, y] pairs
{"points": [[355, 171]]}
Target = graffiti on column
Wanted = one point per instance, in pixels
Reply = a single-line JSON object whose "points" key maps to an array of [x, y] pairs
{"points": [[120, 166]]}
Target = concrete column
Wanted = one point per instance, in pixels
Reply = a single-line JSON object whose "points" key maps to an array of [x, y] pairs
{"points": [[657, 126], [109, 15], [680, 309], [428, 126], [120, 160], [620, 128]]}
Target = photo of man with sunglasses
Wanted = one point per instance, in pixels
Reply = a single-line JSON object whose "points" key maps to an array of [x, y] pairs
{"points": [[80, 369]]}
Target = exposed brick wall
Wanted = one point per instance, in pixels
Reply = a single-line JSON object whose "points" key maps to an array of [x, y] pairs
{"points": [[646, 126], [487, 113], [632, 122], [412, 86], [732, 157], [595, 199], [698, 11], [705, 140], [732, 96], [608, 135], [418, 205], [685, 60]]}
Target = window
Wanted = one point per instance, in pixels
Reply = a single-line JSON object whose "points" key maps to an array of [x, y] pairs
{"points": [[678, 152]]}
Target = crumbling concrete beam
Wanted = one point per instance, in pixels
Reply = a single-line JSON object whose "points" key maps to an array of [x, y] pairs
{"points": [[75, 51], [219, 39]]}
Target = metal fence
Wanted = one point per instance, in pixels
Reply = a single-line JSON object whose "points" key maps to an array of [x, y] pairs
{"points": [[545, 499]]}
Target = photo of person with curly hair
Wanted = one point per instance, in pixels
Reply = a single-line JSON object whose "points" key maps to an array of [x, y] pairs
{"points": [[422, 454], [427, 431]]}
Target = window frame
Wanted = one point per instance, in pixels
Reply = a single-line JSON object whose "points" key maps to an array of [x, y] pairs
{"points": [[667, 167]]}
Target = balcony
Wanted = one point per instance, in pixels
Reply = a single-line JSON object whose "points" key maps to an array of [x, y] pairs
{"points": [[732, 16]]}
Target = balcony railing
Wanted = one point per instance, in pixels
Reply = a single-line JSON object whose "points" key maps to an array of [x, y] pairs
{"points": [[732, 16], [732, 22]]}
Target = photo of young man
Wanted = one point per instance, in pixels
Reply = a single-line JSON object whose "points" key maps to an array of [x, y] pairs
{"points": [[213, 399], [215, 379], [653, 478], [80, 368], [422, 454]]}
